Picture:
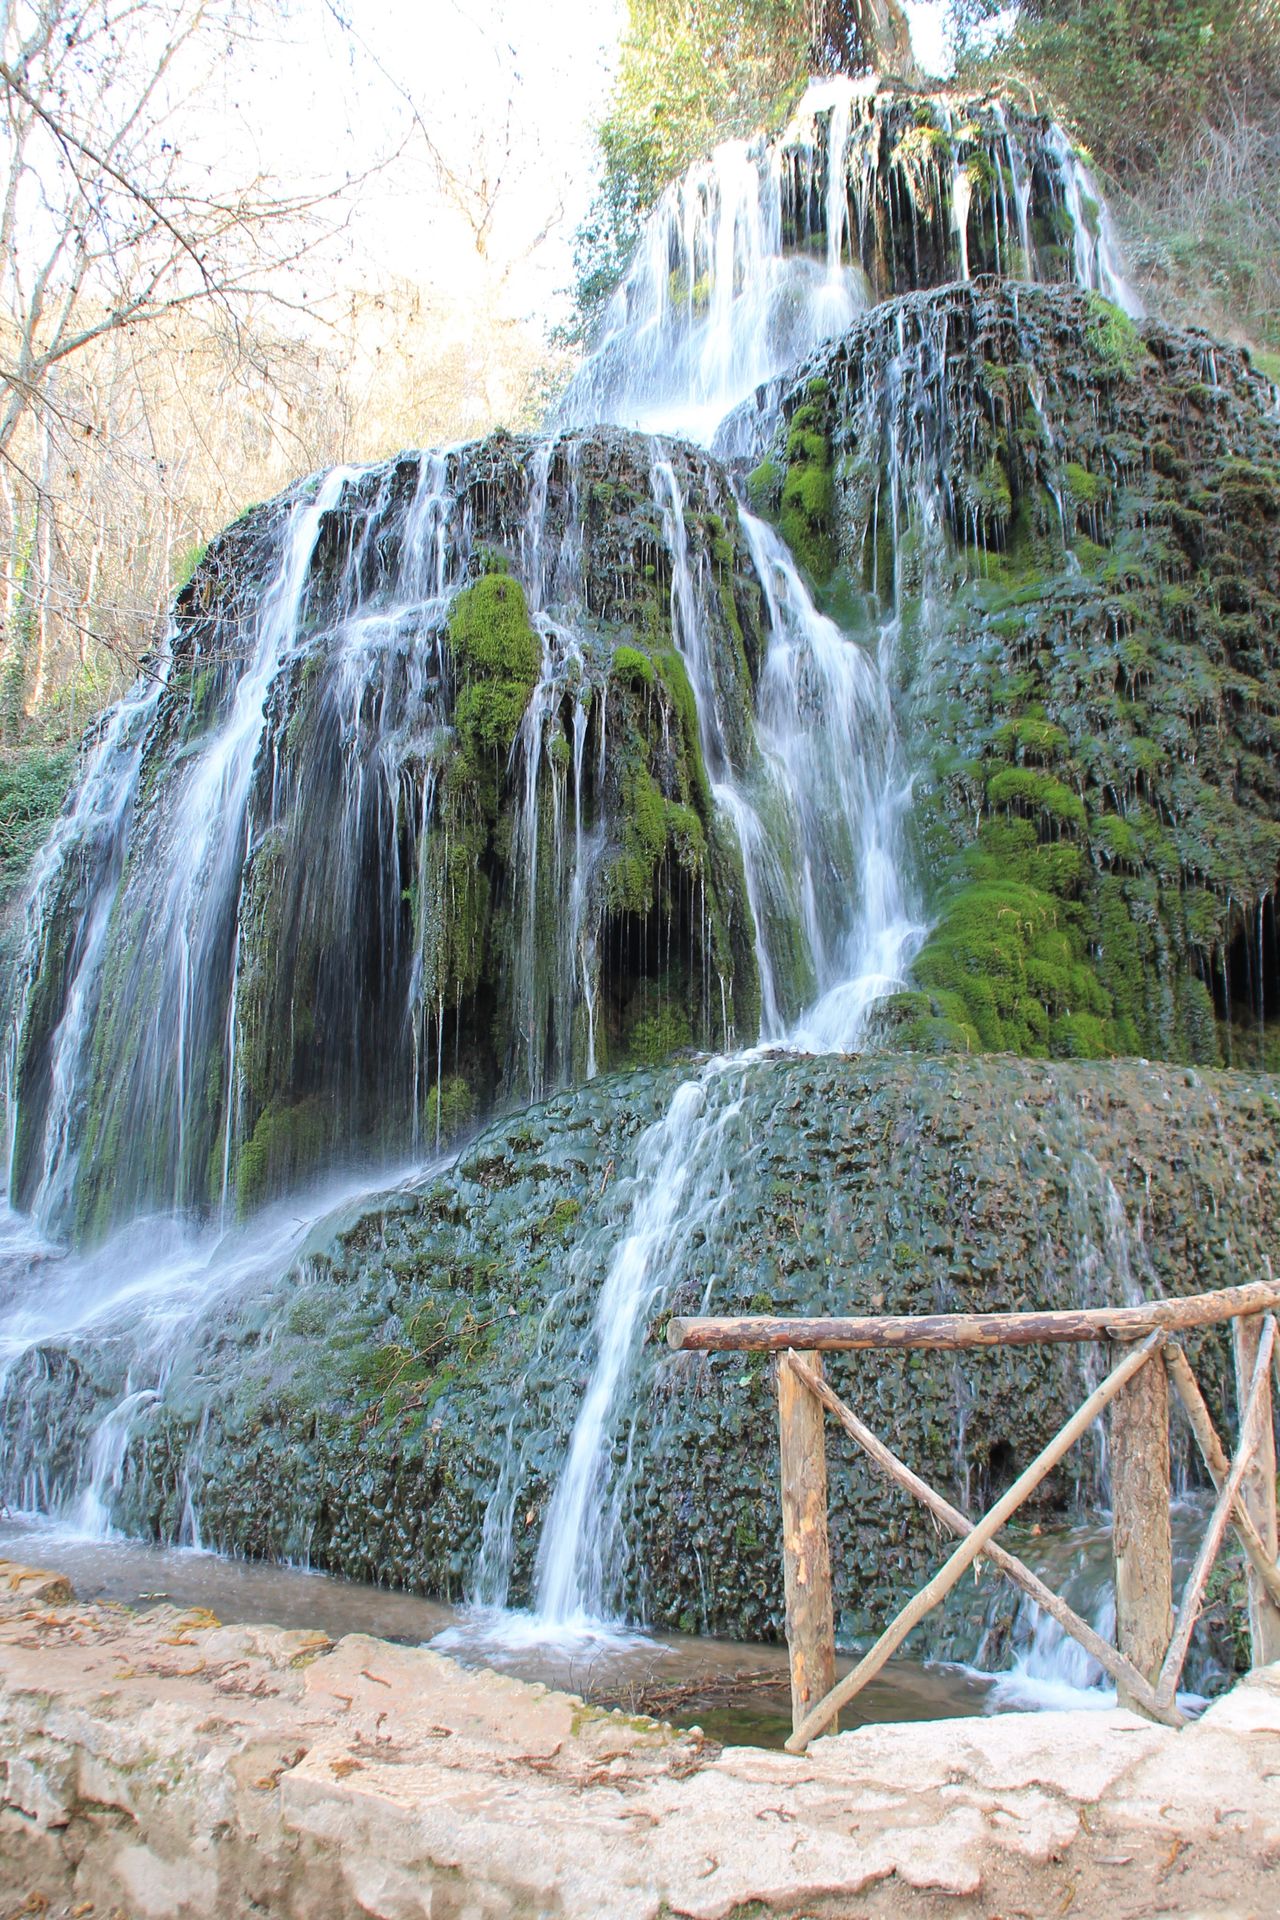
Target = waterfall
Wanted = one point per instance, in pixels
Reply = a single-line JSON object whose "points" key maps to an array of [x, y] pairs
{"points": [[353, 868], [265, 877], [753, 258], [690, 333]]}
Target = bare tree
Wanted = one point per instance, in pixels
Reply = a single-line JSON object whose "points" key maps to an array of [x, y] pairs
{"points": [[112, 225], [105, 221]]}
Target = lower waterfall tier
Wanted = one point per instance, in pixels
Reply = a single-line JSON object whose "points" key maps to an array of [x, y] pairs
{"points": [[395, 1402]]}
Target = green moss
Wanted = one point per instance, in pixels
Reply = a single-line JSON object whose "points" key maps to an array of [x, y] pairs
{"points": [[1006, 962], [675, 680], [1084, 488], [1023, 787], [630, 664], [1031, 737], [655, 1036], [919, 153], [185, 563], [561, 1220], [764, 485], [487, 715], [630, 876], [450, 1109], [490, 630], [1113, 340], [286, 1143], [1118, 839], [497, 654], [808, 491]]}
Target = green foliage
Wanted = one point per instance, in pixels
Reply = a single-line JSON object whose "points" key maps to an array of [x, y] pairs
{"points": [[33, 785], [1135, 77], [689, 76], [185, 564], [808, 491]]}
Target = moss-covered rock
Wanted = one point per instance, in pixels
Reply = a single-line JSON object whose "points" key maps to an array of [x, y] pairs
{"points": [[807, 503], [1090, 670], [478, 827]]}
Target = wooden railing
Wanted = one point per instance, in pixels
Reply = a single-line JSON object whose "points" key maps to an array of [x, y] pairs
{"points": [[1152, 1641]]}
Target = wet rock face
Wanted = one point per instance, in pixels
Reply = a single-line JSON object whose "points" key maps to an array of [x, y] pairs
{"points": [[937, 188], [361, 1410], [468, 852], [1078, 520]]}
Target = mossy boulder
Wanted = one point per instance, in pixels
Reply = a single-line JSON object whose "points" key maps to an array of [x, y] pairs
{"points": [[361, 1406], [1089, 661], [478, 828]]}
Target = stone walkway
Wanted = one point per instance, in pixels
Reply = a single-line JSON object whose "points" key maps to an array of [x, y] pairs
{"points": [[160, 1766]]}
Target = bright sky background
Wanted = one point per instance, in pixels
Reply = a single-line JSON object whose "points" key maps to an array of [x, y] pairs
{"points": [[319, 101]]}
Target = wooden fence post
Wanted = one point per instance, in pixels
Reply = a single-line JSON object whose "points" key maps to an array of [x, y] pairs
{"points": [[1259, 1489], [806, 1554], [1141, 1536]]}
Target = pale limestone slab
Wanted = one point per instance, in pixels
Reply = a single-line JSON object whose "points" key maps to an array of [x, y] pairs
{"points": [[176, 1770]]}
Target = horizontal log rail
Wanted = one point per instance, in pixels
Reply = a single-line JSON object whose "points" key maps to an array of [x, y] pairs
{"points": [[1153, 1644], [763, 1333]]}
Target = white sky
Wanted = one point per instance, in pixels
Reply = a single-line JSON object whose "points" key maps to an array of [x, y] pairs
{"points": [[319, 102]]}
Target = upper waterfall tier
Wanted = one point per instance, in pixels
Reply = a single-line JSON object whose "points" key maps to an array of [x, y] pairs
{"points": [[773, 245]]}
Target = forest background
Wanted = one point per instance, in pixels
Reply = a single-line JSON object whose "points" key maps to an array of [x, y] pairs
{"points": [[192, 314]]}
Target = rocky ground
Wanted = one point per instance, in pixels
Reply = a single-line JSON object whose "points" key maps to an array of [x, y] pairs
{"points": [[161, 1765]]}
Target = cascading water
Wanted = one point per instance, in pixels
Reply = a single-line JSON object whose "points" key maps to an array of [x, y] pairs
{"points": [[753, 258], [358, 865]]}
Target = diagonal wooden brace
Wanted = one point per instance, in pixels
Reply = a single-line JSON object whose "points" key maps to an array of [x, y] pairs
{"points": [[1108, 1657], [1215, 1459], [967, 1552], [1228, 1494]]}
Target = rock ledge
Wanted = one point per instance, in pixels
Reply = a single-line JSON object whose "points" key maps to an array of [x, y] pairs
{"points": [[164, 1765]]}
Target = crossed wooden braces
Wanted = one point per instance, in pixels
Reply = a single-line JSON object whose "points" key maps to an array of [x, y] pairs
{"points": [[1153, 1644]]}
